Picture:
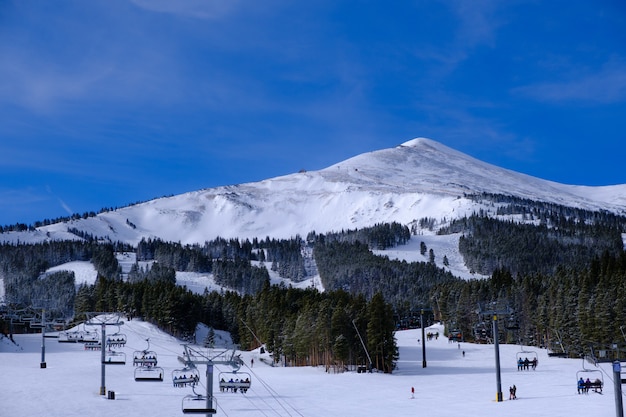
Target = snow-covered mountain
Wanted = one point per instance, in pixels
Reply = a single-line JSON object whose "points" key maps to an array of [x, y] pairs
{"points": [[419, 178]]}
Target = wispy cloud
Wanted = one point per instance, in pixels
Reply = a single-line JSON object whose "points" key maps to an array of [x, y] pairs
{"points": [[608, 85], [38, 88], [200, 9], [478, 21]]}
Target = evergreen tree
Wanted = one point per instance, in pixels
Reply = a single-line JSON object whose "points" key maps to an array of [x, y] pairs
{"points": [[380, 334]]}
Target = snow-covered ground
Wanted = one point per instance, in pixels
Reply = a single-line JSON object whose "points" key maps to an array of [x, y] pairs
{"points": [[451, 385], [442, 245]]}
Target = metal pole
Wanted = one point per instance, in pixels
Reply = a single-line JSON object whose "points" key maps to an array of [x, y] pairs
{"points": [[364, 347], [617, 384], [423, 339], [43, 339], [497, 346], [209, 386], [103, 389]]}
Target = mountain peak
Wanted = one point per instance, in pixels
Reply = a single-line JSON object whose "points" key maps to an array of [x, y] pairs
{"points": [[417, 179], [414, 143]]}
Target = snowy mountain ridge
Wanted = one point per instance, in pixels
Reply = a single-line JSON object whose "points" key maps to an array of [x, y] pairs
{"points": [[419, 178]]}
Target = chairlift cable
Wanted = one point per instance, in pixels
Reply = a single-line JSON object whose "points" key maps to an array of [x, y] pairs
{"points": [[275, 394], [270, 406]]}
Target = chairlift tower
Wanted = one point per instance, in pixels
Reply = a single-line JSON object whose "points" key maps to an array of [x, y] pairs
{"points": [[494, 313], [192, 357], [41, 324], [103, 320], [423, 335]]}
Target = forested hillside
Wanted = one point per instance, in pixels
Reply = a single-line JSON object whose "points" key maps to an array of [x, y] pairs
{"points": [[572, 310], [559, 273], [300, 327]]}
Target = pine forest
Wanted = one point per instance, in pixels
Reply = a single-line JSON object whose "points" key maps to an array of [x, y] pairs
{"points": [[556, 275]]}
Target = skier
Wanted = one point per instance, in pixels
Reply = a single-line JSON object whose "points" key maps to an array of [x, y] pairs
{"points": [[581, 386]]}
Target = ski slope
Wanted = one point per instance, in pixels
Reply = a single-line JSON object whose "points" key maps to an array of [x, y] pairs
{"points": [[451, 385]]}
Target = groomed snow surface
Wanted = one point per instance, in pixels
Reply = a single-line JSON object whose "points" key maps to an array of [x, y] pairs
{"points": [[451, 385]]}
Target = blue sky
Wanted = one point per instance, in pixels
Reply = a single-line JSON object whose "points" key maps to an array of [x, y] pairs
{"points": [[104, 103]]}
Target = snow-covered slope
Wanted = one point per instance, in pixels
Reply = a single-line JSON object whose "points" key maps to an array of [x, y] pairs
{"points": [[451, 385], [420, 178]]}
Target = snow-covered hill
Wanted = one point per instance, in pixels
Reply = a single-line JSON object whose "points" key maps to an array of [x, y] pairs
{"points": [[451, 385], [420, 178]]}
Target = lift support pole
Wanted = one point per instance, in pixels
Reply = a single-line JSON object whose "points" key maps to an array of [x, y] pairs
{"points": [[195, 357], [494, 314], [103, 320], [617, 384], [423, 339], [497, 347]]}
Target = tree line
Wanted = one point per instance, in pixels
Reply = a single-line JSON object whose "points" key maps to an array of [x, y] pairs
{"points": [[298, 326], [574, 310], [562, 276]]}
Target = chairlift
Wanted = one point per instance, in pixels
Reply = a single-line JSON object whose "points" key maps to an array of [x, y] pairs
{"points": [[89, 336], [28, 317], [185, 377], [93, 345], [512, 323], [455, 335], [36, 324], [59, 323], [145, 357], [71, 336], [481, 332], [234, 382], [199, 404], [592, 379], [526, 359], [116, 340], [112, 357], [149, 373]]}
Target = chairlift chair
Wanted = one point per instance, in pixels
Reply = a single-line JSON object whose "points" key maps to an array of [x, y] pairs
{"points": [[145, 357], [185, 377], [89, 336], [112, 357], [93, 345], [455, 335], [152, 373], [523, 355], [199, 404], [27, 317], [116, 340], [512, 323], [72, 336], [234, 381], [594, 376]]}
